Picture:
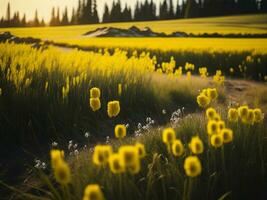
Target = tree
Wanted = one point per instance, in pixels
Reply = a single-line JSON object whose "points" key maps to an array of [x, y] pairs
{"points": [[57, 18], [53, 17], [171, 11], [95, 18], [8, 13], [106, 15], [73, 17], [137, 11], [36, 20], [42, 22], [163, 12], [23, 20], [65, 19], [178, 13]]}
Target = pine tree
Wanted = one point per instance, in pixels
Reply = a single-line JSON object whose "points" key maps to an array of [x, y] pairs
{"points": [[42, 22], [36, 20], [53, 17], [178, 13], [163, 12], [65, 19], [137, 12], [171, 11], [95, 18], [106, 15], [8, 13], [73, 17], [23, 21], [79, 12], [57, 18]]}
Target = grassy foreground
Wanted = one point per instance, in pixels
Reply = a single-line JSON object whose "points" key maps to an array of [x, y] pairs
{"points": [[45, 98]]}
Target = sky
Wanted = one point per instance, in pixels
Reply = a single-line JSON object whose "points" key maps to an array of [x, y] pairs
{"points": [[44, 6]]}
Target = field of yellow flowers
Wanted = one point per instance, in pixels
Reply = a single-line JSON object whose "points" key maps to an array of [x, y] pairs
{"points": [[97, 125]]}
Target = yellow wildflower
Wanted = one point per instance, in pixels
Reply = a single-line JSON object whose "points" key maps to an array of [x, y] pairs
{"points": [[116, 164], [93, 192], [120, 131], [113, 108], [212, 127], [216, 140], [101, 154], [95, 92], [62, 173], [211, 113], [196, 145], [168, 135], [177, 148], [258, 115], [192, 166], [227, 135], [203, 101], [95, 104], [232, 115]]}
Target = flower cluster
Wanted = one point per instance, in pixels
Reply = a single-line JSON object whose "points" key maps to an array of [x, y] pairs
{"points": [[192, 164], [246, 115], [127, 159], [216, 129], [206, 97], [94, 100]]}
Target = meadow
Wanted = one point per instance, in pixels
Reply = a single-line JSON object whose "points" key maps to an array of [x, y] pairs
{"points": [[135, 122], [222, 53]]}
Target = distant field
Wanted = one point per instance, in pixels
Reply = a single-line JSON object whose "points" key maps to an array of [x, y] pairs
{"points": [[224, 25]]}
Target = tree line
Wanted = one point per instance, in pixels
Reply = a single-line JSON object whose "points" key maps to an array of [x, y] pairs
{"points": [[87, 13]]}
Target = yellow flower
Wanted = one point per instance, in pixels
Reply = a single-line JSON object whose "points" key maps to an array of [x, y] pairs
{"points": [[101, 154], [120, 131], [93, 192], [113, 108], [95, 92], [0, 91], [141, 149], [216, 140], [203, 101], [243, 112], [212, 127], [233, 115], [192, 166], [212, 93], [221, 124], [211, 113], [116, 164], [217, 117], [95, 104], [56, 157], [227, 135], [62, 172], [130, 154], [168, 135], [119, 89], [250, 117], [258, 115], [177, 148], [196, 145]]}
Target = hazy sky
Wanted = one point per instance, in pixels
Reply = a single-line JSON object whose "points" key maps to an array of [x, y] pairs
{"points": [[44, 6]]}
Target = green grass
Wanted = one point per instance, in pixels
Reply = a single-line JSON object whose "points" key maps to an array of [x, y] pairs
{"points": [[162, 175]]}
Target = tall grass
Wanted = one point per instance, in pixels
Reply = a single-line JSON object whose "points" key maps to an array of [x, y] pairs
{"points": [[234, 171]]}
